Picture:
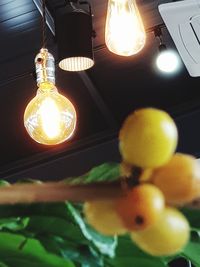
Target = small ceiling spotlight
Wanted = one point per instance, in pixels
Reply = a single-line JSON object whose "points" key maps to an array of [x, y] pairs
{"points": [[74, 35], [167, 60]]}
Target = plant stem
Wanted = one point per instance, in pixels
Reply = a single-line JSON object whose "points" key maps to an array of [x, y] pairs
{"points": [[58, 192]]}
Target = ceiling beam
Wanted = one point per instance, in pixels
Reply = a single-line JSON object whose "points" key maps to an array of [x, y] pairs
{"points": [[98, 99], [49, 18], [54, 165]]}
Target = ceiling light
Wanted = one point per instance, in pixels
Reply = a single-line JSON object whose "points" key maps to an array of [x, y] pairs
{"points": [[167, 60], [74, 38], [124, 33], [49, 118]]}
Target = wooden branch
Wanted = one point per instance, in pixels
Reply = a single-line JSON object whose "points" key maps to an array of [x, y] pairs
{"points": [[58, 192]]}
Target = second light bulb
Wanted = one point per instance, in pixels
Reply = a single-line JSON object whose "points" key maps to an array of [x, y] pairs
{"points": [[124, 34]]}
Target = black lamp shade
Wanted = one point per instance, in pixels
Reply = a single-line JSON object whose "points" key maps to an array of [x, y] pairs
{"points": [[74, 39]]}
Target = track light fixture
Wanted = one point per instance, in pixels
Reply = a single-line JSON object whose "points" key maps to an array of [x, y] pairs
{"points": [[167, 60], [74, 35]]}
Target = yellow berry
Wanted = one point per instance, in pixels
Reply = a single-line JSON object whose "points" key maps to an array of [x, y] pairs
{"points": [[102, 215], [179, 179], [141, 207], [148, 138], [167, 237]]}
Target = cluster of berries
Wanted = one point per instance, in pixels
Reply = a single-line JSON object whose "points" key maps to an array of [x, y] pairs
{"points": [[167, 180]]}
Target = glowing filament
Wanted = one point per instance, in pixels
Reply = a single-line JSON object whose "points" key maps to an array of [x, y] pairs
{"points": [[50, 118]]}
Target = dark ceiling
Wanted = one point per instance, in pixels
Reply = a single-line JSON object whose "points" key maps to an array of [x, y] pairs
{"points": [[103, 96]]}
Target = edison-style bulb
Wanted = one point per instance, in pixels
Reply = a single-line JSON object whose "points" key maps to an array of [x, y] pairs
{"points": [[50, 118], [124, 33]]}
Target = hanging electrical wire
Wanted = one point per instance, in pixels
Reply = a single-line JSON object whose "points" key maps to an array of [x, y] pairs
{"points": [[43, 20]]}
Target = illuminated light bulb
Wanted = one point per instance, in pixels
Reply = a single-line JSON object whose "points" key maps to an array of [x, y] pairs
{"points": [[168, 61], [49, 118], [124, 34]]}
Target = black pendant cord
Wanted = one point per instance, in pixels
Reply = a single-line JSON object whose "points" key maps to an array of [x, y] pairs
{"points": [[44, 37]]}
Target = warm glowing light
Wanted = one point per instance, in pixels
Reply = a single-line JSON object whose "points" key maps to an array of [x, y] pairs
{"points": [[50, 118], [168, 61], [124, 34]]}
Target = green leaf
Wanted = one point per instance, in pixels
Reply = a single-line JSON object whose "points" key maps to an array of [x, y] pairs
{"points": [[193, 216], [106, 172], [50, 243], [79, 253], [192, 252], [73, 240], [128, 253], [54, 235], [44, 209], [13, 224], [47, 225], [4, 183], [29, 181], [32, 253], [83, 255], [127, 248], [140, 262], [17, 262], [106, 245]]}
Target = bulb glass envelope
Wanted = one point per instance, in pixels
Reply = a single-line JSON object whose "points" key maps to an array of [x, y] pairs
{"points": [[49, 118], [74, 38], [124, 34], [167, 60]]}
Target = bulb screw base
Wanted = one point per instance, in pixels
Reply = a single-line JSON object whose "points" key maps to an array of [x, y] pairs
{"points": [[45, 67]]}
